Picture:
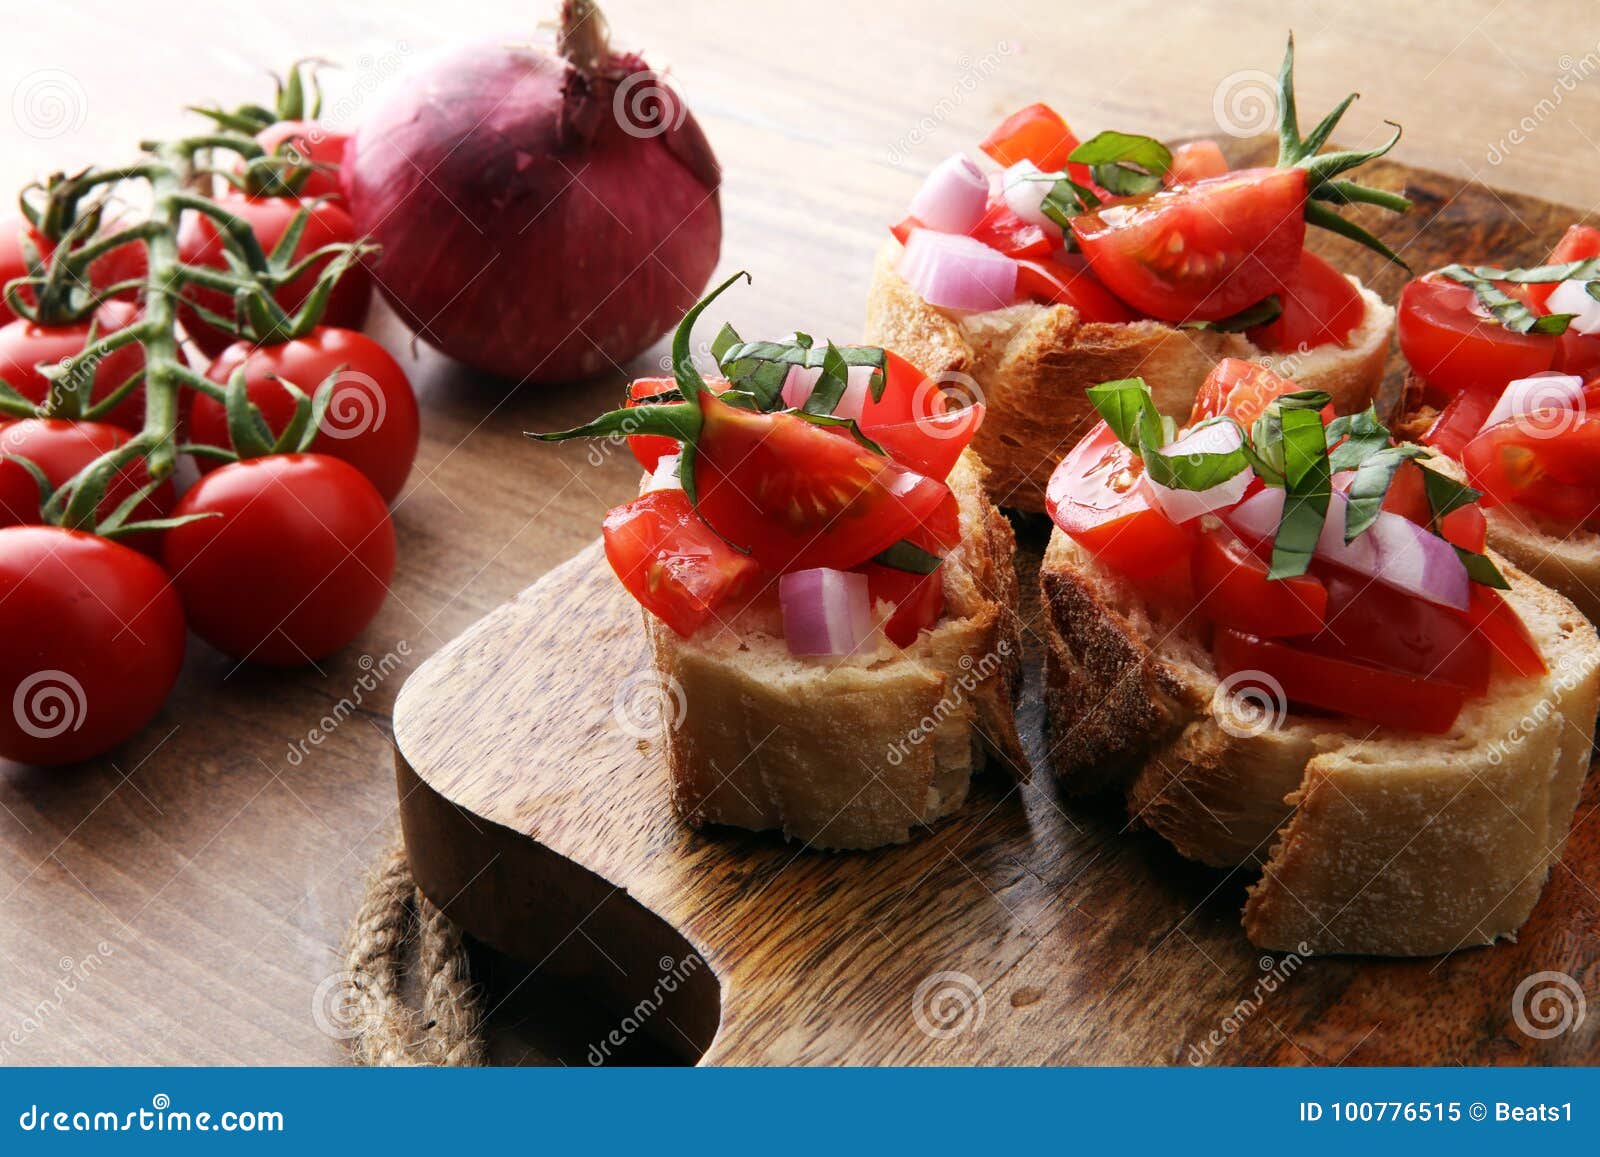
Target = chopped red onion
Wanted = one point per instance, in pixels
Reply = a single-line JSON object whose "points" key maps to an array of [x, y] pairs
{"points": [[1025, 190], [665, 475], [825, 612], [802, 380], [1573, 297], [1544, 391], [1182, 505], [955, 272], [953, 197]]}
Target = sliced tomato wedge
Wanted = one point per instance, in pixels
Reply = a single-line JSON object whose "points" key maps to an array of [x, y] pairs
{"points": [[1509, 642], [1001, 229], [1528, 462], [1058, 281], [930, 445], [918, 599], [1355, 690], [1038, 134], [1407, 496], [1096, 495], [1195, 161], [672, 563], [1320, 307], [1578, 243], [1201, 251], [1234, 590], [649, 449], [1242, 390], [1461, 420], [1454, 346], [799, 495], [1370, 622], [902, 229]]}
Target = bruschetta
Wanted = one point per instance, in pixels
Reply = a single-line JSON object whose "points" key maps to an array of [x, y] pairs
{"points": [[828, 593], [1082, 262], [1280, 635]]}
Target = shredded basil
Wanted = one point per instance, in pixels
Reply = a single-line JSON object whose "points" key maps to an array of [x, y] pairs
{"points": [[1263, 312], [909, 557]]}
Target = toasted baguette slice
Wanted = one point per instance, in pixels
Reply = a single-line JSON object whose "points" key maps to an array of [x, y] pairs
{"points": [[1033, 362], [1569, 562], [1370, 840], [851, 753]]}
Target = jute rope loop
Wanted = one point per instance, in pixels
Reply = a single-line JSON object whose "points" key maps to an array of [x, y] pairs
{"points": [[394, 916]]}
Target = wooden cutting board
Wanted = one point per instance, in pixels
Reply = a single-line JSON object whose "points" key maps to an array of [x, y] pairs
{"points": [[1026, 929]]}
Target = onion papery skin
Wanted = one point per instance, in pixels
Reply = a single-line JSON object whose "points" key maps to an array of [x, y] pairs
{"points": [[531, 222]]}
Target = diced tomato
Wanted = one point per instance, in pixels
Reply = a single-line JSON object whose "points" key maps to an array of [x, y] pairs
{"points": [[1461, 419], [1320, 307], [1547, 465], [1454, 346], [903, 229], [672, 562], [1195, 161], [1579, 354], [930, 445], [1407, 496], [1038, 134], [1096, 495], [1578, 243], [1003, 230], [1242, 390], [1234, 590], [1057, 281], [1508, 639], [1205, 250], [1356, 690], [1370, 622], [799, 495], [918, 599], [649, 449]]}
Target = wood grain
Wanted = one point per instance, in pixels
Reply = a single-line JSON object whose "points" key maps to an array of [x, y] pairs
{"points": [[222, 874]]}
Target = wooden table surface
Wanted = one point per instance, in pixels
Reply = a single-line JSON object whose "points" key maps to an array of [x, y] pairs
{"points": [[183, 900]]}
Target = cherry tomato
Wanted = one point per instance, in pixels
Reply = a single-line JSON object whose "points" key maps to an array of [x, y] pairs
{"points": [[1523, 462], [61, 449], [124, 263], [1056, 281], [1038, 134], [1320, 307], [1310, 678], [1201, 251], [296, 566], [1001, 229], [1460, 420], [371, 421], [902, 229], [1096, 496], [917, 600], [1407, 496], [669, 560], [1453, 345], [1195, 161], [1231, 580], [1578, 243], [1242, 390], [94, 642], [25, 346], [309, 141], [1372, 623], [649, 449], [199, 243], [931, 445], [1509, 642], [798, 495]]}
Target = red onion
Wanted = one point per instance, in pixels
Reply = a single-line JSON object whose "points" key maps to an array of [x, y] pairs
{"points": [[1025, 190], [825, 612], [954, 196], [1182, 505], [802, 380], [957, 272], [544, 217], [1573, 297], [1562, 393]]}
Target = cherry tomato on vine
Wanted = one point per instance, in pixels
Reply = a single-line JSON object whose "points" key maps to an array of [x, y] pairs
{"points": [[296, 566], [61, 449], [371, 421], [24, 346], [94, 643], [124, 263], [199, 243], [314, 142]]}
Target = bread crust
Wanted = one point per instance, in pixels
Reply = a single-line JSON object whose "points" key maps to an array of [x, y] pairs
{"points": [[856, 753], [1369, 840], [1031, 364]]}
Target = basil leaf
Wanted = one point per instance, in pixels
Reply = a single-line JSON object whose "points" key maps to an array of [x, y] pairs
{"points": [[1371, 483], [847, 423], [1481, 569], [830, 387], [1198, 471], [762, 366], [1110, 148], [1444, 493], [1308, 484], [727, 337], [680, 420], [1587, 269], [690, 383], [1263, 312], [1511, 313], [1355, 438], [1125, 181], [909, 557], [1129, 410]]}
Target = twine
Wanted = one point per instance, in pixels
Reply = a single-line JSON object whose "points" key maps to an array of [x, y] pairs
{"points": [[394, 916]]}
